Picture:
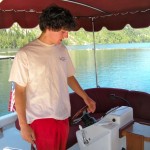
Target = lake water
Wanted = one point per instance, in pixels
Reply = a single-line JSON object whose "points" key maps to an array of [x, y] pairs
{"points": [[117, 68]]}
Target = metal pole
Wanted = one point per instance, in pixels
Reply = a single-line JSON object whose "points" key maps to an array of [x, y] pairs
{"points": [[94, 50]]}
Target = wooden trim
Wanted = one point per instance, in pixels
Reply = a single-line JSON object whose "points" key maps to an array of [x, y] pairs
{"points": [[122, 129], [134, 141], [136, 134]]}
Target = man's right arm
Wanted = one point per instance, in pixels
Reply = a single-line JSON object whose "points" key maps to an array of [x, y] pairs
{"points": [[20, 104]]}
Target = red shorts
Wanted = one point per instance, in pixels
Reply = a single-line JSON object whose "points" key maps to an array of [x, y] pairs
{"points": [[51, 134]]}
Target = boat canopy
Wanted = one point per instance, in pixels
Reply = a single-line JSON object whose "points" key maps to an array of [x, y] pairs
{"points": [[112, 14]]}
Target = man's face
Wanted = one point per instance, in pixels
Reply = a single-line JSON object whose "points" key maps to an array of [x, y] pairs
{"points": [[56, 37]]}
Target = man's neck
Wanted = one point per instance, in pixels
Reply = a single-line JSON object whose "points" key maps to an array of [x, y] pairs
{"points": [[45, 39]]}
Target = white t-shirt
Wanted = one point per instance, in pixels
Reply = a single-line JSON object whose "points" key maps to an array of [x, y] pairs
{"points": [[43, 69]]}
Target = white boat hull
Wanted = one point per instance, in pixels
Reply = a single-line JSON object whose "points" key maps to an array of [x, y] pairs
{"points": [[10, 136]]}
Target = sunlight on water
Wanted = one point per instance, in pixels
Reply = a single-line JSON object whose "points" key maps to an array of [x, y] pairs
{"points": [[129, 69], [5, 66]]}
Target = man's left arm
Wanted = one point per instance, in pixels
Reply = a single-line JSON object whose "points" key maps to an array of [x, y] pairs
{"points": [[75, 86]]}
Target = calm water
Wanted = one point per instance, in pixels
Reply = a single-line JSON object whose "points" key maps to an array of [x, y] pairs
{"points": [[118, 68], [129, 69]]}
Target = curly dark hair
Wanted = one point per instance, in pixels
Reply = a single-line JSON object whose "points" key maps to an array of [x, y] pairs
{"points": [[56, 18]]}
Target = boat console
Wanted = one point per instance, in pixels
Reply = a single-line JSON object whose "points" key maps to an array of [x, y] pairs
{"points": [[104, 133]]}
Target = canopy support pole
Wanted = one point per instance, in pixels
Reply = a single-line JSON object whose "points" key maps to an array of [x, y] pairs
{"points": [[94, 50]]}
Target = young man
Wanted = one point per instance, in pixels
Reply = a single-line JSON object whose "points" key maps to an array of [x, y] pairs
{"points": [[42, 71]]}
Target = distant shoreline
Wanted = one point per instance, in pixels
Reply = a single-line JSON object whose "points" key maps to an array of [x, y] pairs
{"points": [[110, 46], [6, 57], [6, 52]]}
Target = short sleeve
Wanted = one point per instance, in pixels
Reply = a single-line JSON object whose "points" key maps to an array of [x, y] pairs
{"points": [[19, 70], [70, 67]]}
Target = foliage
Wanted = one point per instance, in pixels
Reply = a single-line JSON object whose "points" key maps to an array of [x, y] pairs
{"points": [[126, 35], [16, 37]]}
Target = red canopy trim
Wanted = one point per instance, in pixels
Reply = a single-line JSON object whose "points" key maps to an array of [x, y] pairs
{"points": [[29, 19]]}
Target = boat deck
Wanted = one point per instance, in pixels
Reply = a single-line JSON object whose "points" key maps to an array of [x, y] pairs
{"points": [[10, 139]]}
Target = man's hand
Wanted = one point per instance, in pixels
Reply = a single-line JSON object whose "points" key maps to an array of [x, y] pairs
{"points": [[27, 133], [90, 103]]}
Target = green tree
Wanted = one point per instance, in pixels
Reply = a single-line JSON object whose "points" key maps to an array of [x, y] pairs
{"points": [[16, 37]]}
